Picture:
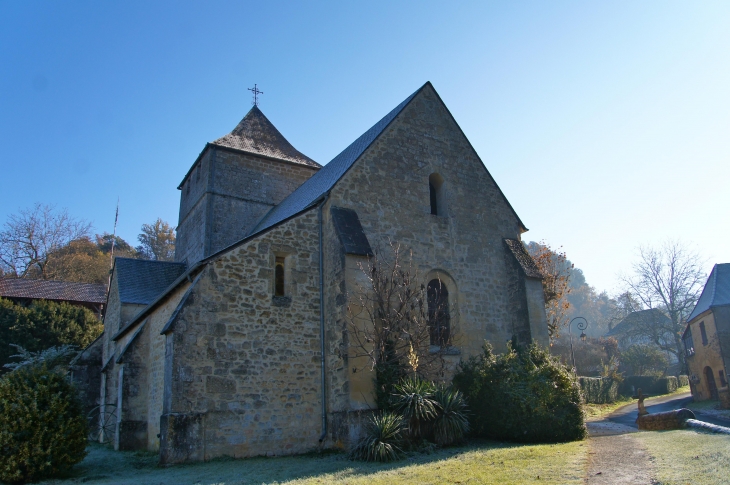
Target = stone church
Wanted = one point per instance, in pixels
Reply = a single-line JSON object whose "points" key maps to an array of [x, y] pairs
{"points": [[239, 347]]}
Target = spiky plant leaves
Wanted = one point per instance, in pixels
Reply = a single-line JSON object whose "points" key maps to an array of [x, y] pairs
{"points": [[413, 399], [451, 423], [382, 441]]}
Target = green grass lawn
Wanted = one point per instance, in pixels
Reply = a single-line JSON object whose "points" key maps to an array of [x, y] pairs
{"points": [[479, 462], [688, 456], [709, 407]]}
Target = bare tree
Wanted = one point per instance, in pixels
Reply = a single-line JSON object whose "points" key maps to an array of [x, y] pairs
{"points": [[157, 241], [31, 235], [397, 325], [668, 278]]}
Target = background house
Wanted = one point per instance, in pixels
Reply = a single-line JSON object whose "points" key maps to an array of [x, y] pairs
{"points": [[707, 338]]}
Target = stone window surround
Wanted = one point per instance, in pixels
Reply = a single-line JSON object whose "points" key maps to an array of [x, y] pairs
{"points": [[437, 197], [451, 287]]}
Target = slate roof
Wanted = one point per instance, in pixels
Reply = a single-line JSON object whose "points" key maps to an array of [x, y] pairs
{"points": [[635, 319], [256, 134], [141, 281], [321, 182], [716, 291], [523, 257], [350, 231], [52, 290]]}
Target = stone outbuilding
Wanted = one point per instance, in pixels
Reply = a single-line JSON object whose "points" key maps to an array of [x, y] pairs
{"points": [[707, 339], [240, 348]]}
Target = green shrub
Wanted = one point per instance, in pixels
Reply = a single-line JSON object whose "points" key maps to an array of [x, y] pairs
{"points": [[650, 385], [522, 395], [42, 427], [382, 441], [683, 381], [451, 423], [413, 400], [599, 390], [44, 324]]}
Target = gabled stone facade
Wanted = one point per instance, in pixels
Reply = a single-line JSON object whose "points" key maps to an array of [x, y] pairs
{"points": [[226, 362]]}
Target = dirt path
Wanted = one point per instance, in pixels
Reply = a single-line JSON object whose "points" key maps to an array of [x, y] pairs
{"points": [[615, 456]]}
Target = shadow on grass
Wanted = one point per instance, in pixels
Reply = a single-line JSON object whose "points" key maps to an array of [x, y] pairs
{"points": [[103, 465]]}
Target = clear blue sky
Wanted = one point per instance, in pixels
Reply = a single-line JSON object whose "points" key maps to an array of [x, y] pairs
{"points": [[606, 124]]}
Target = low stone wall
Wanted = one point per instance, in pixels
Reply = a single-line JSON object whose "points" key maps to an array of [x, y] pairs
{"points": [[663, 421], [693, 423], [724, 396]]}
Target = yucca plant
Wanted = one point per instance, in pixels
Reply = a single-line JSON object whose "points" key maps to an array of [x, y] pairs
{"points": [[413, 399], [451, 423], [382, 441]]}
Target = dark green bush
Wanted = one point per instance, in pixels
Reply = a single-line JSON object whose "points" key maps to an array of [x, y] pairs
{"points": [[523, 395], [44, 324], [382, 441], [451, 423], [42, 427], [599, 390], [650, 385], [413, 400], [683, 381]]}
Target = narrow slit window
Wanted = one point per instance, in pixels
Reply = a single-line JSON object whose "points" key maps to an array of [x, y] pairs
{"points": [[704, 333], [279, 277], [723, 381], [436, 196]]}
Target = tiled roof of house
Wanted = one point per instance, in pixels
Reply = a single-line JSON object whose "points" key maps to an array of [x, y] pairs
{"points": [[523, 257], [643, 317], [141, 281], [322, 181], [256, 134], [52, 290], [716, 291]]}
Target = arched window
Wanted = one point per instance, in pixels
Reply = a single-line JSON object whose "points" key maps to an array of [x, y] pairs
{"points": [[438, 312], [435, 190], [279, 277]]}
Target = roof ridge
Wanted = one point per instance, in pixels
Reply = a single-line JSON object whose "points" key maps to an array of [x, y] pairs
{"points": [[322, 181]]}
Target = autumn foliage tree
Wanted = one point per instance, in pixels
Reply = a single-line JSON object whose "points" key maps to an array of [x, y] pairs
{"points": [[157, 241], [556, 271]]}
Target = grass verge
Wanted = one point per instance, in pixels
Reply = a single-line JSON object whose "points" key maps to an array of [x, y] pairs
{"points": [[688, 456], [481, 462]]}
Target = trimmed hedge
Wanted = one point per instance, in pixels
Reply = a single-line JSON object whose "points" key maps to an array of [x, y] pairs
{"points": [[599, 390], [649, 385], [683, 381]]}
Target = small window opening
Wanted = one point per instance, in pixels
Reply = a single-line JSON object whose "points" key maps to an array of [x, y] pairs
{"points": [[435, 191], [704, 333], [438, 312], [689, 346], [279, 276], [723, 381]]}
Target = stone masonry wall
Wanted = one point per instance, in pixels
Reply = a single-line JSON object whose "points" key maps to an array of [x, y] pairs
{"points": [[245, 187], [245, 369], [389, 189], [190, 238]]}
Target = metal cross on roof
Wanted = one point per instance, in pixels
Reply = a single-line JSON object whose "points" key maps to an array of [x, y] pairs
{"points": [[256, 93]]}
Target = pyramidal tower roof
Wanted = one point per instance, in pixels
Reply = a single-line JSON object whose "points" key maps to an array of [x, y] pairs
{"points": [[256, 134]]}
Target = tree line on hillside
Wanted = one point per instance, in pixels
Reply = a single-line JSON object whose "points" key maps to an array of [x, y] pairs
{"points": [[43, 242], [666, 279]]}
